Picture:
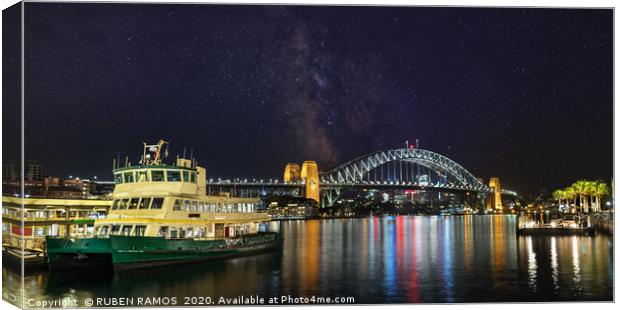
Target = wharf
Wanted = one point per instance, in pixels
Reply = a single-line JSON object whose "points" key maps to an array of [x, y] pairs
{"points": [[556, 231]]}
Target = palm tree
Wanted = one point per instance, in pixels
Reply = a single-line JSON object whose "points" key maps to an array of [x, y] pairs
{"points": [[559, 195], [567, 196], [582, 189], [600, 189], [571, 194], [590, 189]]}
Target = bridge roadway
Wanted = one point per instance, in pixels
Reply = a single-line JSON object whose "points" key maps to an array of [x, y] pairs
{"points": [[268, 186]]}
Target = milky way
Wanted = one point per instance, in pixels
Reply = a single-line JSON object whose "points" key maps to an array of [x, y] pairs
{"points": [[523, 94]]}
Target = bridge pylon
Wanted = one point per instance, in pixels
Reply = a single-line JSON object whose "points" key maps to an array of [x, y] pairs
{"points": [[292, 173], [310, 175], [494, 201]]}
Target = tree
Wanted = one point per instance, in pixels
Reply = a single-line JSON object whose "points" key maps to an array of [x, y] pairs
{"points": [[559, 195], [599, 189], [571, 194], [581, 189]]}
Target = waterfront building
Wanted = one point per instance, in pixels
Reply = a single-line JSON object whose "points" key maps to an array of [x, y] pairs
{"points": [[81, 184], [101, 188], [291, 207], [33, 170], [10, 171]]}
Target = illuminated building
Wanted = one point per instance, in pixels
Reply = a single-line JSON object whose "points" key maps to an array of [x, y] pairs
{"points": [[77, 183]]}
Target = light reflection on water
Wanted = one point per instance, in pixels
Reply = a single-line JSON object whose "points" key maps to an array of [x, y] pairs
{"points": [[554, 264], [576, 267], [531, 264], [391, 259]]}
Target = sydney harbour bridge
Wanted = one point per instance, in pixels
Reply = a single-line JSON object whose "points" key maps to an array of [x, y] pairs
{"points": [[397, 169]]}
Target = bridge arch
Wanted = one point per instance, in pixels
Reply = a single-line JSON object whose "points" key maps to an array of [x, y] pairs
{"points": [[353, 171]]}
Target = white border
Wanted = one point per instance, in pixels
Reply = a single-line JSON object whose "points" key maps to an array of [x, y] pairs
{"points": [[513, 3]]}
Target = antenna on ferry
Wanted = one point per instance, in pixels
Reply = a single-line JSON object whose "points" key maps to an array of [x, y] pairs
{"points": [[126, 161], [113, 163], [184, 152]]}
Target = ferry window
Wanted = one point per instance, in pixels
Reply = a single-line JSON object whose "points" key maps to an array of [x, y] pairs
{"points": [[115, 229], [174, 175], [173, 233], [202, 207], [144, 203], [186, 176], [194, 206], [53, 230], [133, 203], [122, 205], [115, 204], [157, 203], [140, 229], [103, 230], [141, 176], [177, 205], [193, 177], [126, 231], [128, 177], [186, 206], [118, 178], [163, 231], [157, 175]]}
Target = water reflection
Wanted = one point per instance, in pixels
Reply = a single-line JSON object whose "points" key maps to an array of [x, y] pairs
{"points": [[576, 267], [531, 264], [554, 264], [375, 260]]}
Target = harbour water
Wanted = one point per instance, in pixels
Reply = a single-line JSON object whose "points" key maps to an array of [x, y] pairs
{"points": [[404, 259]]}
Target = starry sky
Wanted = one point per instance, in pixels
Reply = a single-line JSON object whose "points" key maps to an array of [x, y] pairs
{"points": [[522, 94]]}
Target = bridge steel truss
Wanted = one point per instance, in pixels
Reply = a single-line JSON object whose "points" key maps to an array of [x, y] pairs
{"points": [[354, 170]]}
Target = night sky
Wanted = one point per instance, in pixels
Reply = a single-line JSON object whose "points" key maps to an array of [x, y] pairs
{"points": [[522, 94]]}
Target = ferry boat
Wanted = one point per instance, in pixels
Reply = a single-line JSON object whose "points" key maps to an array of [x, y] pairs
{"points": [[26, 222], [161, 215]]}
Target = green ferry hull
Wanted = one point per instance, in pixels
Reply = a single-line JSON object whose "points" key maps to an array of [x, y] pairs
{"points": [[128, 252], [71, 254]]}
